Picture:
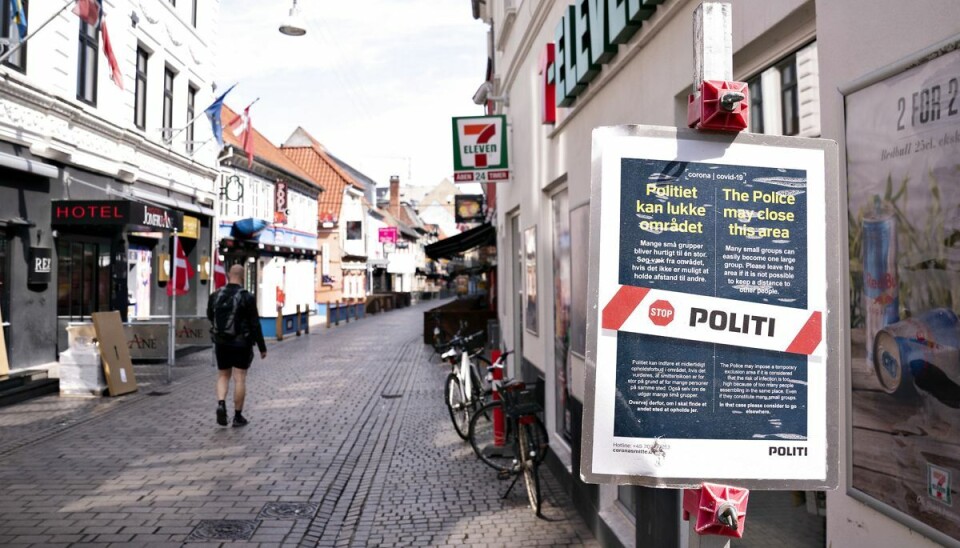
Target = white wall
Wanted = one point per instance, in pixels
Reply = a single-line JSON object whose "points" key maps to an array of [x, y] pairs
{"points": [[40, 109], [857, 37]]}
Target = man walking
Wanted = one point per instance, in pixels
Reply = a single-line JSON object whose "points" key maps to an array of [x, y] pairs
{"points": [[236, 328]]}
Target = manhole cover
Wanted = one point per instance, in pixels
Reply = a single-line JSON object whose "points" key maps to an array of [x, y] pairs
{"points": [[157, 393], [288, 510], [391, 396], [223, 529]]}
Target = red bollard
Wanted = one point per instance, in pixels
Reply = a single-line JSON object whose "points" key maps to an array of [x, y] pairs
{"points": [[499, 425]]}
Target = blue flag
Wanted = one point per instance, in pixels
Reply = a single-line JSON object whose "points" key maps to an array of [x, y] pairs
{"points": [[19, 17], [213, 113]]}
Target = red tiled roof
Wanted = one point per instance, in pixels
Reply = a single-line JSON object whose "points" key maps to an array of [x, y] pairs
{"points": [[264, 150], [314, 161]]}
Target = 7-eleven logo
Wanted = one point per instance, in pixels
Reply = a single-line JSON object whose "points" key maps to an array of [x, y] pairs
{"points": [[479, 142]]}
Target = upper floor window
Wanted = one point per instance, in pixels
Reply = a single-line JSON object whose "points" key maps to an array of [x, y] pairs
{"points": [[87, 64], [11, 32], [191, 114], [756, 104], [140, 94], [789, 96], [168, 79]]}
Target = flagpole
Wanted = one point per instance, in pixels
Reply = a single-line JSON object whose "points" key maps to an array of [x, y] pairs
{"points": [[23, 39], [171, 352]]}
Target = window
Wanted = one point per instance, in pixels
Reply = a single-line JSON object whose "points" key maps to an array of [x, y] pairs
{"points": [[756, 104], [168, 78], [789, 98], [627, 497], [140, 94], [87, 64], [354, 230], [193, 14], [83, 278], [191, 114], [11, 31]]}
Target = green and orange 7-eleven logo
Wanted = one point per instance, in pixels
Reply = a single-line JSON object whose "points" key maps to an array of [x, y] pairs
{"points": [[480, 143]]}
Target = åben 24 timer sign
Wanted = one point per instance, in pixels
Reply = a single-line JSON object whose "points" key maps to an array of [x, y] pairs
{"points": [[480, 150]]}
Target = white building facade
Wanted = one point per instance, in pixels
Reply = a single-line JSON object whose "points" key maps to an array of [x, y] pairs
{"points": [[102, 154], [796, 55]]}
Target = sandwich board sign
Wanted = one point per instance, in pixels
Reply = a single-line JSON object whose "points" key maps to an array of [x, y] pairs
{"points": [[712, 345], [112, 341], [480, 149]]}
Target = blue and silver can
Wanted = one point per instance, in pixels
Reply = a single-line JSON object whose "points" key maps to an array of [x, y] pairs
{"points": [[881, 286], [924, 346]]}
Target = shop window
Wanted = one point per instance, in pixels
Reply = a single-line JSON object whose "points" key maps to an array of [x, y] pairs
{"points": [[561, 308], [87, 64], [789, 97], [83, 278], [168, 80], [627, 497], [10, 31], [191, 114], [756, 104], [140, 93], [354, 230]]}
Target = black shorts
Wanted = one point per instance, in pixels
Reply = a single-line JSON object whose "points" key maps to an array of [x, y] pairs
{"points": [[234, 356]]}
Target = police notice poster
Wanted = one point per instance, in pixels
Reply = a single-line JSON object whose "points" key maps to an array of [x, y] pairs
{"points": [[903, 172], [708, 357]]}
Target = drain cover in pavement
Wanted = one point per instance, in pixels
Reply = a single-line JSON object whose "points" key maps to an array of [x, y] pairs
{"points": [[288, 510], [223, 529], [157, 393], [391, 396]]}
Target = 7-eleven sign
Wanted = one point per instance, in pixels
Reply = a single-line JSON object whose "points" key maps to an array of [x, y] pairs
{"points": [[480, 149]]}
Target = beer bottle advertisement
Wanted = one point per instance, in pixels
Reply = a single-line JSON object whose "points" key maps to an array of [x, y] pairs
{"points": [[711, 309], [903, 172]]}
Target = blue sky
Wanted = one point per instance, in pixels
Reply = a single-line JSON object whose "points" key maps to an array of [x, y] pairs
{"points": [[375, 81]]}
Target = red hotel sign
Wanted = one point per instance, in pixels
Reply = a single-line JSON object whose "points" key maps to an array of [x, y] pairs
{"points": [[114, 213]]}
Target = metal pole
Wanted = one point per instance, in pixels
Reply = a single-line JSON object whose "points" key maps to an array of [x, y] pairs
{"points": [[171, 351], [23, 40]]}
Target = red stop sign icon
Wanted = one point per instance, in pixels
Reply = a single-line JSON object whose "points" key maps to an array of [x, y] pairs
{"points": [[661, 313]]}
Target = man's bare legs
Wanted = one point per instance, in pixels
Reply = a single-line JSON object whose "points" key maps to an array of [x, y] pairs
{"points": [[223, 383], [239, 388]]}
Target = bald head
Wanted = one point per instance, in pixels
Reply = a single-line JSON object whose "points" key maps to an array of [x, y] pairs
{"points": [[236, 274]]}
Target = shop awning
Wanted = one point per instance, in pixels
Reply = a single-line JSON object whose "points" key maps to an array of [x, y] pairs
{"points": [[484, 234]]}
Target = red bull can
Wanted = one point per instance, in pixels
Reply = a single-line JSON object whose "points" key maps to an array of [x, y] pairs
{"points": [[881, 287], [924, 346]]}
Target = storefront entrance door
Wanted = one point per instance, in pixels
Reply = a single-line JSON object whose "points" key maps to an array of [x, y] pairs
{"points": [[83, 281]]}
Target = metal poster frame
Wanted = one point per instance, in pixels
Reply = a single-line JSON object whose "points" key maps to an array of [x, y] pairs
{"points": [[694, 146], [913, 60]]}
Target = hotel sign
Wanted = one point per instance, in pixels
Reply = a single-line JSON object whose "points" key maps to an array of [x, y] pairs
{"points": [[480, 149], [114, 213]]}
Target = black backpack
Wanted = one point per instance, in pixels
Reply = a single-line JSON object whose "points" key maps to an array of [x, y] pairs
{"points": [[225, 323]]}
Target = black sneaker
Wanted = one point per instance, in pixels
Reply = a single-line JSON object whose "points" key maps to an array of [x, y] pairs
{"points": [[238, 420], [222, 416]]}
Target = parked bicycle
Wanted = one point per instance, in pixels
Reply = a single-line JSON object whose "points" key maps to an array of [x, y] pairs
{"points": [[464, 387], [508, 435]]}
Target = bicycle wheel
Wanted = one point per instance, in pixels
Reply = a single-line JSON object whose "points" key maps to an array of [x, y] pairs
{"points": [[483, 438], [457, 406], [528, 449], [537, 436]]}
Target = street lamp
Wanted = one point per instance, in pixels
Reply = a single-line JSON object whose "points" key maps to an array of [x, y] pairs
{"points": [[293, 25]]}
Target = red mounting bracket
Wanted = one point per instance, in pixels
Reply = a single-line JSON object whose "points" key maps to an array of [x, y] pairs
{"points": [[719, 105], [719, 509]]}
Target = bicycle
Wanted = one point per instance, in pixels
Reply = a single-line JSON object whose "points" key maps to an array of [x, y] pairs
{"points": [[515, 441], [463, 389]]}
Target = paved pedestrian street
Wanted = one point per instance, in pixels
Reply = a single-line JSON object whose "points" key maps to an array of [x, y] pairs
{"points": [[349, 444]]}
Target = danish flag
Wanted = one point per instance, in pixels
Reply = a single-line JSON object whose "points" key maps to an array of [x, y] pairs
{"points": [[182, 271], [219, 273]]}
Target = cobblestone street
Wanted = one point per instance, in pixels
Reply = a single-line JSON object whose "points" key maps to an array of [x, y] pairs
{"points": [[349, 444]]}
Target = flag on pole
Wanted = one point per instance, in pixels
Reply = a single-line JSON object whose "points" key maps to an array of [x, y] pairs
{"points": [[183, 271], [88, 11], [213, 113], [219, 272], [244, 130], [111, 58], [18, 16]]}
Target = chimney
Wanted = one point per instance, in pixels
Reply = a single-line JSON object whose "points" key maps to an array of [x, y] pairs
{"points": [[395, 195]]}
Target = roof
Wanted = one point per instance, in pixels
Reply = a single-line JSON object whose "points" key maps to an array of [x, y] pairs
{"points": [[307, 153], [264, 150]]}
